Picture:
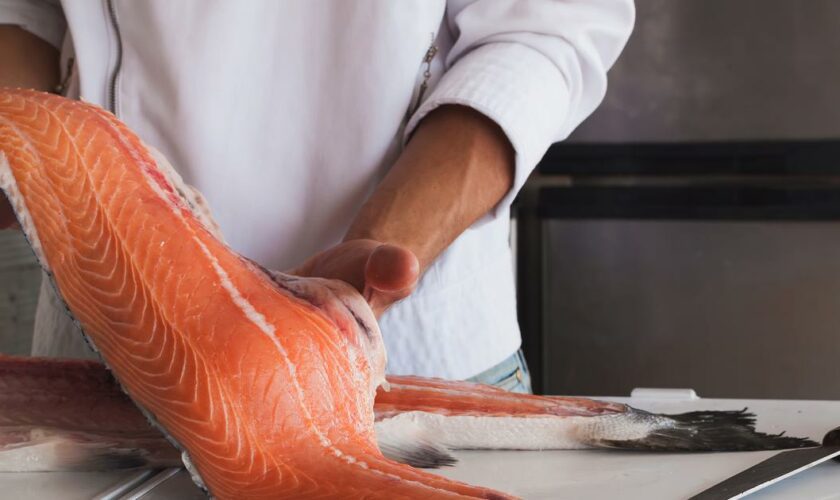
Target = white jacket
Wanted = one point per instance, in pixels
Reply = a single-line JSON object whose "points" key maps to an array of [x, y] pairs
{"points": [[285, 114]]}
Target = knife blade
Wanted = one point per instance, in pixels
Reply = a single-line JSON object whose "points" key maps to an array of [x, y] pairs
{"points": [[776, 468]]}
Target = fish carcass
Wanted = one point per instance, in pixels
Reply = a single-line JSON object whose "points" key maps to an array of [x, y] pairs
{"points": [[60, 414], [266, 382]]}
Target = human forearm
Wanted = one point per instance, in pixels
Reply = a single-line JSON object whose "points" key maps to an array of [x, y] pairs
{"points": [[455, 169], [26, 61]]}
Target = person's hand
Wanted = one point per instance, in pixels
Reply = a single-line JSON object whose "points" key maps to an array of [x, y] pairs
{"points": [[383, 273]]}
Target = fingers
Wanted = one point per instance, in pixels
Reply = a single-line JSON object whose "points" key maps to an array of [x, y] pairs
{"points": [[346, 262], [384, 273], [391, 268], [391, 274]]}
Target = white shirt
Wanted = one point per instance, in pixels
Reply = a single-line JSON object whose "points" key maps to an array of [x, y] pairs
{"points": [[286, 114]]}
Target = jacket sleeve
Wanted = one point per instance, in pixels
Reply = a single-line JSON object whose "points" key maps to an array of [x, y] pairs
{"points": [[535, 67], [42, 18]]}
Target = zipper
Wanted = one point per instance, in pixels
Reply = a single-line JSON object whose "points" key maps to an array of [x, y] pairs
{"points": [[113, 81], [427, 75]]}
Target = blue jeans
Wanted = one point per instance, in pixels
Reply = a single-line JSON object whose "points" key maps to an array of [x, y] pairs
{"points": [[511, 374]]}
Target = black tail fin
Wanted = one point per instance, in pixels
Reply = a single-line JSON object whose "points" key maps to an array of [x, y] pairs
{"points": [[93, 459], [43, 449], [706, 431], [412, 444]]}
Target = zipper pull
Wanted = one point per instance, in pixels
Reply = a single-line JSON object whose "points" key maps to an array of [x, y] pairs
{"points": [[417, 98], [427, 73], [430, 54]]}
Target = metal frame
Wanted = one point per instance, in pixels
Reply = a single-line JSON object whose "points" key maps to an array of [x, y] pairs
{"points": [[757, 180], [814, 157]]}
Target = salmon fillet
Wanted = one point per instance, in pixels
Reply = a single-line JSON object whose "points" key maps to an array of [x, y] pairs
{"points": [[265, 393]]}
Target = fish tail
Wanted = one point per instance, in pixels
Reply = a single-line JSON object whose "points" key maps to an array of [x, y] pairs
{"points": [[462, 415], [697, 431]]}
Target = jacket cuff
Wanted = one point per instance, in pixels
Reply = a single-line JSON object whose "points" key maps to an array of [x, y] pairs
{"points": [[516, 87], [46, 21]]}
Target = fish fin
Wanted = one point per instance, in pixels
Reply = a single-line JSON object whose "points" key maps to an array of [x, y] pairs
{"points": [[705, 431], [410, 443], [94, 458], [39, 449]]}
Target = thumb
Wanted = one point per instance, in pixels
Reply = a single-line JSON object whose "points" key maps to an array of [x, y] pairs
{"points": [[391, 273]]}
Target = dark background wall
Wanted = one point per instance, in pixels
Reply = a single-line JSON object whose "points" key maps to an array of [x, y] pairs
{"points": [[730, 309], [724, 70]]}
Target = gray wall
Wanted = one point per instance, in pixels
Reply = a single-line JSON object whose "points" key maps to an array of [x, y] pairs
{"points": [[730, 309], [723, 70], [20, 277]]}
